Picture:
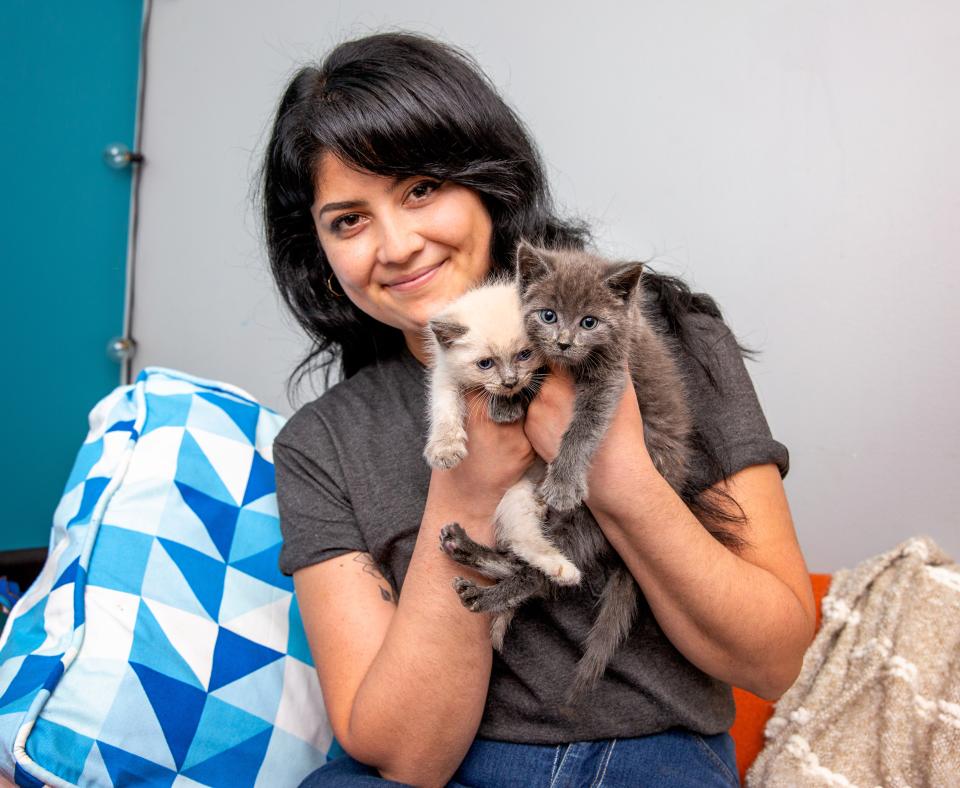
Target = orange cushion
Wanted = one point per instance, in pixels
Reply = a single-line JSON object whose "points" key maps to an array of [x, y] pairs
{"points": [[753, 712]]}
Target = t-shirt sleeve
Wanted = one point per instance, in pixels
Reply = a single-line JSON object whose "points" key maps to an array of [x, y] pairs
{"points": [[728, 415], [316, 517]]}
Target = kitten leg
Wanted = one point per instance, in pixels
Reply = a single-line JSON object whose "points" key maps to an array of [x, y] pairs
{"points": [[491, 563], [506, 410], [519, 520], [447, 442], [565, 484], [618, 608], [499, 623], [505, 595]]}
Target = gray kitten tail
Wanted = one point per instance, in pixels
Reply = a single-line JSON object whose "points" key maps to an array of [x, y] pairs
{"points": [[618, 609]]}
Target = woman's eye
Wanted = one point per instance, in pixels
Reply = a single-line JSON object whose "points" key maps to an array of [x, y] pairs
{"points": [[548, 316], [524, 354], [589, 322], [485, 363], [345, 222], [424, 189]]}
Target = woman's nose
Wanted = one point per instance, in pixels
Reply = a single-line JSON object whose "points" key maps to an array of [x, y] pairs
{"points": [[399, 240]]}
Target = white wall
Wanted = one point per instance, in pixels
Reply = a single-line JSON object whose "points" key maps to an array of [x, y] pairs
{"points": [[798, 161]]}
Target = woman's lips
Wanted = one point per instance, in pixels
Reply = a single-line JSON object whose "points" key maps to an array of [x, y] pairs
{"points": [[417, 281]]}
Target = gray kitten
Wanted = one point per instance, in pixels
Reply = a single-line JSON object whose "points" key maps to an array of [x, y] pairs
{"points": [[589, 316]]}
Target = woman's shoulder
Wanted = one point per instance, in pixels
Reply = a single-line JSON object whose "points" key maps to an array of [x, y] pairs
{"points": [[354, 404]]}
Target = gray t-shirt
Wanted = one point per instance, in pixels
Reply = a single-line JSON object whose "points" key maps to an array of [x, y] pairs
{"points": [[351, 476]]}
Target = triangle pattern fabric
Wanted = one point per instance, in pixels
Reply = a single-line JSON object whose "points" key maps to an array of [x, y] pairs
{"points": [[220, 519], [297, 645], [179, 523], [221, 728], [165, 582], [244, 414], [152, 648], [229, 459], [92, 490], [248, 692], [237, 766], [169, 410], [263, 566], [206, 415], [204, 574], [171, 646], [131, 724], [95, 771], [255, 532], [262, 479], [243, 593], [178, 707], [235, 656], [57, 744], [194, 637], [69, 574], [125, 768], [194, 470], [260, 624]]}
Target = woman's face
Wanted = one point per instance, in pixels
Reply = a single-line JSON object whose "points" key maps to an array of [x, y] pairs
{"points": [[400, 249]]}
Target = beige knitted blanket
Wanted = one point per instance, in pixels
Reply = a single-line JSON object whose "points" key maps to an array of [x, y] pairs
{"points": [[877, 702]]}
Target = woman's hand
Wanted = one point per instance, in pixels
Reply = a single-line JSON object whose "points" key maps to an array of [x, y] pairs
{"points": [[497, 457], [622, 447], [549, 415]]}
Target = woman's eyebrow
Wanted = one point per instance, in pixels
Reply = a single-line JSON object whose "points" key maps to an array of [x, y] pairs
{"points": [[338, 206]]}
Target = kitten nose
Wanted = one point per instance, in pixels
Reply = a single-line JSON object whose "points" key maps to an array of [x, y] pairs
{"points": [[510, 382], [563, 345]]}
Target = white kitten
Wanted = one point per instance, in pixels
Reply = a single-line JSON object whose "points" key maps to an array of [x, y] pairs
{"points": [[478, 343]]}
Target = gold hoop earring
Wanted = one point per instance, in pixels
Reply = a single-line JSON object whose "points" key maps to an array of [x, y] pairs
{"points": [[333, 292]]}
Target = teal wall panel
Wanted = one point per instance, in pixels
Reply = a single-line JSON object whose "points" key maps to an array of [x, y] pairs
{"points": [[68, 82]]}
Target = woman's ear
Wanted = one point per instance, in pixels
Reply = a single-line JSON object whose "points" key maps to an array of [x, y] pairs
{"points": [[532, 265]]}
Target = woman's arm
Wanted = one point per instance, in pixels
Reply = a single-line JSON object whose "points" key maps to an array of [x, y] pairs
{"points": [[405, 681], [746, 619]]}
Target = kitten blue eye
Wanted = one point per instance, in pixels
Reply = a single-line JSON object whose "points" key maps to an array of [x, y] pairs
{"points": [[524, 354], [548, 316], [589, 322], [485, 363]]}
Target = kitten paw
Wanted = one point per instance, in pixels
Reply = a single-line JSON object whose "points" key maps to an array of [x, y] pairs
{"points": [[560, 495], [446, 453], [560, 571], [452, 537], [469, 592], [506, 410]]}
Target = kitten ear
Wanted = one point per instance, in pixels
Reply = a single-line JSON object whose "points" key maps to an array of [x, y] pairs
{"points": [[623, 279], [531, 265], [446, 331]]}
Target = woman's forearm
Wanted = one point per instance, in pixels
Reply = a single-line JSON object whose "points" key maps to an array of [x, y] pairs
{"points": [[734, 620], [419, 706]]}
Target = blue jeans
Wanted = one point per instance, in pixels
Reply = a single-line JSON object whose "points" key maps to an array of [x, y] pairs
{"points": [[676, 757]]}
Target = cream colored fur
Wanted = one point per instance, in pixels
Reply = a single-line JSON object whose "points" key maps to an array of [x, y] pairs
{"points": [[488, 323]]}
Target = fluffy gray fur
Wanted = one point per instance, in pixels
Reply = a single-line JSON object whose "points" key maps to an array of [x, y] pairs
{"points": [[560, 291]]}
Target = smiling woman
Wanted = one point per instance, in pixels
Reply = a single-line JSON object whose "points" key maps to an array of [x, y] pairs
{"points": [[395, 179], [401, 248]]}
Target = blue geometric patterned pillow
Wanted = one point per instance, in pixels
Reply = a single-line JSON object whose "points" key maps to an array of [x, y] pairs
{"points": [[161, 645]]}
